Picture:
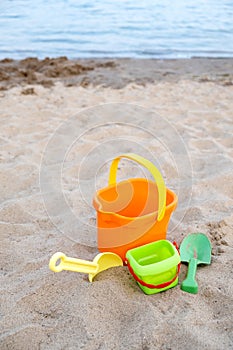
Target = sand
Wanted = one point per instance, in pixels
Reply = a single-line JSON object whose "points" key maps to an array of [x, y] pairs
{"points": [[178, 113]]}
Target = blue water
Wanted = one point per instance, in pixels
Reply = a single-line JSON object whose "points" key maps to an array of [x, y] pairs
{"points": [[120, 28]]}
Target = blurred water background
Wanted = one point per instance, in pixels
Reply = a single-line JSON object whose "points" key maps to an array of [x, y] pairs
{"points": [[121, 28]]}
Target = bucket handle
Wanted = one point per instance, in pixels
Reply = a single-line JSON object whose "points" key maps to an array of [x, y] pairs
{"points": [[153, 170]]}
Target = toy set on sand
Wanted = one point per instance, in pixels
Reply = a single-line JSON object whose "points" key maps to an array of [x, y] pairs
{"points": [[132, 220]]}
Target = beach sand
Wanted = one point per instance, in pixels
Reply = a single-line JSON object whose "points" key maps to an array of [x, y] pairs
{"points": [[191, 137]]}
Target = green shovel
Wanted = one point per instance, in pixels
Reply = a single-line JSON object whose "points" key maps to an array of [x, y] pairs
{"points": [[195, 249]]}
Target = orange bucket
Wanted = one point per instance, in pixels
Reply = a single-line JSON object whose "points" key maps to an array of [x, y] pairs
{"points": [[133, 212]]}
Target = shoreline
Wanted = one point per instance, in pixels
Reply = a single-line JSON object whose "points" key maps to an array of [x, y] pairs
{"points": [[115, 73]]}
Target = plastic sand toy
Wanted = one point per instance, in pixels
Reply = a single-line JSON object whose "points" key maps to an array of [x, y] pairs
{"points": [[155, 266], [195, 249], [133, 212], [103, 261]]}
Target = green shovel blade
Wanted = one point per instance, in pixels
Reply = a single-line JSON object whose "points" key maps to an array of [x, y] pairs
{"points": [[195, 249]]}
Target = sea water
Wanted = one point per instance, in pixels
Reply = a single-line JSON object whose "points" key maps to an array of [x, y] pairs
{"points": [[120, 28]]}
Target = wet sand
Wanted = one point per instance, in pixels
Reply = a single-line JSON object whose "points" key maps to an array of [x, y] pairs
{"points": [[44, 310], [112, 73]]}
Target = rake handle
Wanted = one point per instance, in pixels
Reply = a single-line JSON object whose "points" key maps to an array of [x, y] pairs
{"points": [[59, 262]]}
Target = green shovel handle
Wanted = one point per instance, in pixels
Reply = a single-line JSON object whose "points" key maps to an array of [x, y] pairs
{"points": [[190, 284]]}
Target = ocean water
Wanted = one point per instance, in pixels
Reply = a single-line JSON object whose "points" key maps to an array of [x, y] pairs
{"points": [[121, 28]]}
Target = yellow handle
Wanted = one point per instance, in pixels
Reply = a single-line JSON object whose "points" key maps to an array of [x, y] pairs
{"points": [[59, 262], [153, 170]]}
